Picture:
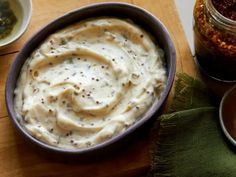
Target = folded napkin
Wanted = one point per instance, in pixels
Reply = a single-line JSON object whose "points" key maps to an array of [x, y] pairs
{"points": [[188, 142]]}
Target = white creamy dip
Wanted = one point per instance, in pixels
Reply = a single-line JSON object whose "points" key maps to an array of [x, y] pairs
{"points": [[89, 82]]}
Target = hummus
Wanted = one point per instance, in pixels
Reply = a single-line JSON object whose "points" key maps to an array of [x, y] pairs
{"points": [[89, 82]]}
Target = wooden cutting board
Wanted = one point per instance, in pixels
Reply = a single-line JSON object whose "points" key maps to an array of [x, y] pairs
{"points": [[18, 159]]}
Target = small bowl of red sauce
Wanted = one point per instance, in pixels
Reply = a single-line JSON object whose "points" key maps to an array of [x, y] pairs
{"points": [[228, 114]]}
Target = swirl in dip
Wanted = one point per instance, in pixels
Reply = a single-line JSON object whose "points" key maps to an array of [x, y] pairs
{"points": [[89, 82]]}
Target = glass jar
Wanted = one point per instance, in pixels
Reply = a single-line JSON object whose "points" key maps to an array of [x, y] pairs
{"points": [[215, 40]]}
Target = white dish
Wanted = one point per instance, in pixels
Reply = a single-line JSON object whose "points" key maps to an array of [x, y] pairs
{"points": [[23, 11]]}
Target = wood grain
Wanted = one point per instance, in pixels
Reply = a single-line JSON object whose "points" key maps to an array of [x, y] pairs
{"points": [[18, 159]]}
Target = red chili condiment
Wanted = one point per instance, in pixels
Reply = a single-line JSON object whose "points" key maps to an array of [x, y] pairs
{"points": [[215, 37], [226, 7]]}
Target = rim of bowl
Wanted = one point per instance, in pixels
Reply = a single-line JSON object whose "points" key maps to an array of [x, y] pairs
{"points": [[211, 76], [222, 124], [24, 23], [147, 115]]}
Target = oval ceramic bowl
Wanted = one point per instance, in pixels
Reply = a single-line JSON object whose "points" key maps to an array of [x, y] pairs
{"points": [[120, 10], [23, 12], [228, 115]]}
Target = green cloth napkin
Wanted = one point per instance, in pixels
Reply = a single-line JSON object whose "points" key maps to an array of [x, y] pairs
{"points": [[188, 141]]}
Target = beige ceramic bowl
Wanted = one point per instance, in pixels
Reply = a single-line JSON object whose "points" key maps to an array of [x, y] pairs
{"points": [[23, 11]]}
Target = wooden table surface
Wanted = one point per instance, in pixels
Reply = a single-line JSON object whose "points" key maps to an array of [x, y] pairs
{"points": [[18, 159]]}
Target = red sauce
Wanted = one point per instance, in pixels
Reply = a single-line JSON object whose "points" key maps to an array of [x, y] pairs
{"points": [[229, 113], [226, 7], [215, 47]]}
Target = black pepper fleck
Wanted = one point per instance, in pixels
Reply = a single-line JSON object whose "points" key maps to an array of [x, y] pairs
{"points": [[69, 133], [88, 143], [35, 90], [63, 42], [36, 74]]}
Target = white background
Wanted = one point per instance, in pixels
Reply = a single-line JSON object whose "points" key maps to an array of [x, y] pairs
{"points": [[185, 10]]}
